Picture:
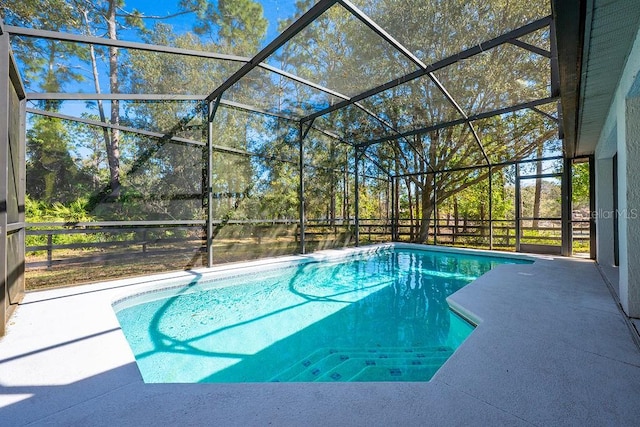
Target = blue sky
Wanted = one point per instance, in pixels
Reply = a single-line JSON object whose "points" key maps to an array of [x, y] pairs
{"points": [[273, 11]]}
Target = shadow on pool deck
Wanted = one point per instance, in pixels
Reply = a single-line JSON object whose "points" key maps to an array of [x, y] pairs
{"points": [[552, 348]]}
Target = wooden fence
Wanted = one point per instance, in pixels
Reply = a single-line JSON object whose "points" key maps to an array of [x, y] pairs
{"points": [[133, 239]]}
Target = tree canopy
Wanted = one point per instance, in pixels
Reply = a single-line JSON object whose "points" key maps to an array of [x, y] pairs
{"points": [[425, 137]]}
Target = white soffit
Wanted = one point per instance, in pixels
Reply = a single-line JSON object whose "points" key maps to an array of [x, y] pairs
{"points": [[610, 29]]}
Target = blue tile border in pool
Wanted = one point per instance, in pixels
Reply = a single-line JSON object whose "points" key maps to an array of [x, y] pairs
{"points": [[165, 286], [195, 280]]}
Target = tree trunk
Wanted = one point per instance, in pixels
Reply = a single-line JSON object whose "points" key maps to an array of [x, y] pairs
{"points": [[425, 221], [538, 190], [96, 85], [113, 148], [455, 218], [387, 201], [410, 200], [427, 210]]}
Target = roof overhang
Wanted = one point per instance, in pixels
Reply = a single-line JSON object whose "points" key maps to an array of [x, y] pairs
{"points": [[594, 40], [568, 17]]}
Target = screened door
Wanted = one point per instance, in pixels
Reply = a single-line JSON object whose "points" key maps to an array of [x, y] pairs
{"points": [[539, 209]]}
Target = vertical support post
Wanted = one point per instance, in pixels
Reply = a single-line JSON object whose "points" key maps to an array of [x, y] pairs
{"points": [[518, 208], [555, 75], [555, 69], [346, 205], [435, 209], [387, 201], [212, 108], [21, 165], [490, 208], [4, 159], [22, 181], [12, 182], [593, 249], [209, 187], [567, 225], [397, 208], [303, 248], [345, 193], [357, 198], [392, 183]]}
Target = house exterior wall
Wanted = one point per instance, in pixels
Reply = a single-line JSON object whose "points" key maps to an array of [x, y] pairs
{"points": [[604, 211], [621, 135]]}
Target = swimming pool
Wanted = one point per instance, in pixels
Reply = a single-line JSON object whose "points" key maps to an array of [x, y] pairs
{"points": [[377, 316]]}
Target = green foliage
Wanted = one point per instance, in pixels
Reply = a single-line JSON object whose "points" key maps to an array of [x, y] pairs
{"points": [[341, 54], [580, 181], [165, 180], [52, 174], [41, 211], [549, 199], [38, 211], [236, 26], [135, 20], [46, 64]]}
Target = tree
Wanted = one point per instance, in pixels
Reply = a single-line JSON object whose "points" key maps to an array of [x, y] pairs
{"points": [[52, 174], [97, 16], [580, 188], [347, 57], [224, 21], [235, 26], [233, 175], [341, 53], [45, 64]]}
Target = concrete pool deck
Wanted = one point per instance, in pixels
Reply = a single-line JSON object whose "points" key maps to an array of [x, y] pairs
{"points": [[551, 348]]}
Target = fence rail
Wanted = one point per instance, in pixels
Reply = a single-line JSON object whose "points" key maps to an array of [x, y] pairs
{"points": [[122, 237], [132, 239]]}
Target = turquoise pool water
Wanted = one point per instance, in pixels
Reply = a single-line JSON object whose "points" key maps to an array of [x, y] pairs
{"points": [[374, 317]]}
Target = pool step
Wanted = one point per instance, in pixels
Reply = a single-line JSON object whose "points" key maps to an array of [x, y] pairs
{"points": [[379, 364], [408, 373], [383, 370]]}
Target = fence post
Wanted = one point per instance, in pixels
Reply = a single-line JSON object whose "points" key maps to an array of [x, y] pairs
{"points": [[144, 242], [49, 250]]}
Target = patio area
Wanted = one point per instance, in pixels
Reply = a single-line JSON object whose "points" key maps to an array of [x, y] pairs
{"points": [[498, 127], [552, 348]]}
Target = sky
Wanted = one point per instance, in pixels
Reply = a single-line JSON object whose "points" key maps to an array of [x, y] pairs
{"points": [[273, 11]]}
